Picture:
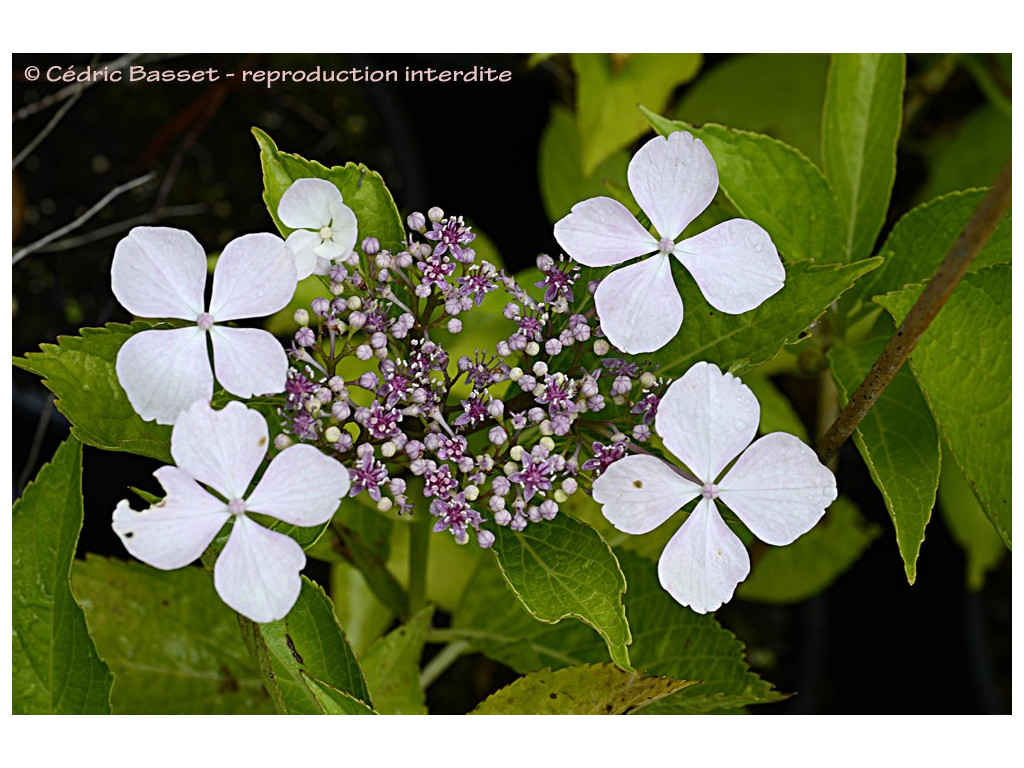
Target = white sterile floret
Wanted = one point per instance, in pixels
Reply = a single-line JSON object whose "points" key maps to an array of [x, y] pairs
{"points": [[735, 264], [257, 572], [161, 272], [325, 228], [777, 486]]}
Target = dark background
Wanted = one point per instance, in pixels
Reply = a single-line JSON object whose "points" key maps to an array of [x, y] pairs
{"points": [[870, 644]]}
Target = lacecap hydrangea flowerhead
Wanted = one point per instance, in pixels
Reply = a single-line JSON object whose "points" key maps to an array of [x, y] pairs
{"points": [[776, 486], [673, 179]]}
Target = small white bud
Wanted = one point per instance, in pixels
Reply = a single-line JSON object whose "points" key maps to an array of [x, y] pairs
{"points": [[301, 317], [332, 434]]}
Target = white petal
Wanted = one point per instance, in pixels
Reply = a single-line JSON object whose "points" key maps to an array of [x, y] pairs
{"points": [[255, 276], [164, 372], [301, 486], [344, 226], [673, 179], [639, 306], [702, 564], [600, 232], [257, 573], [706, 418], [159, 272], [306, 204], [639, 493], [301, 243], [735, 264], [220, 448], [778, 488], [174, 532], [248, 361]]}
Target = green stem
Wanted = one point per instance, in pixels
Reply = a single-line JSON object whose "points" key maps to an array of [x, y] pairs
{"points": [[444, 659]]}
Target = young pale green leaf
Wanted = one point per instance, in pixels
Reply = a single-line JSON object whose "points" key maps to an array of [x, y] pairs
{"points": [[333, 701], [56, 668], [362, 190], [593, 689], [562, 568], [172, 643], [562, 182], [608, 88], [777, 94], [737, 341], [309, 641], [811, 563], [963, 364], [79, 370], [392, 667], [918, 244], [898, 441], [861, 125], [774, 185], [968, 525]]}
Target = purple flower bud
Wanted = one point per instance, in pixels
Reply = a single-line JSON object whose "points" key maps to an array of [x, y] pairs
{"points": [[502, 517], [536, 415], [368, 380], [357, 319], [548, 509], [337, 273], [500, 485], [485, 539], [518, 522], [503, 349], [454, 325], [414, 449], [320, 306], [305, 337], [641, 432], [341, 410], [417, 221], [364, 352], [497, 435], [621, 385], [570, 486], [435, 214], [371, 245], [553, 346], [378, 341]]}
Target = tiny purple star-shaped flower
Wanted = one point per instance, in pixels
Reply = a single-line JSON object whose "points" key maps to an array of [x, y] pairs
{"points": [[257, 572], [775, 485], [735, 264]]}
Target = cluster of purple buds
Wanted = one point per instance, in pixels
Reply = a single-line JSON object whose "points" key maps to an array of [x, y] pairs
{"points": [[502, 438]]}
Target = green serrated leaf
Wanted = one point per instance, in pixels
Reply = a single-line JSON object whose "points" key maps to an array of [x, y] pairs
{"points": [[774, 185], [362, 190], [56, 668], [861, 125], [963, 364], [593, 689], [563, 568], [608, 88], [560, 167], [756, 336], [309, 641], [170, 640], [898, 441], [918, 244], [811, 563], [333, 701], [79, 370], [392, 667]]}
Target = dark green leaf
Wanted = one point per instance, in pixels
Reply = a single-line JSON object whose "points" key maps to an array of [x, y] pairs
{"points": [[594, 689], [333, 701], [861, 125], [898, 441], [172, 643], [774, 185], [392, 667], [972, 156], [562, 568], [56, 669], [362, 190], [79, 370]]}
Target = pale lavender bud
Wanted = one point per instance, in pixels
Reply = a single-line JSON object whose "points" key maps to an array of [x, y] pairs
{"points": [[497, 435], [337, 273], [560, 424], [566, 338], [485, 539], [595, 403], [324, 395], [641, 433], [570, 486], [500, 485], [422, 290], [417, 221], [511, 311], [341, 410], [465, 464], [282, 441], [435, 214], [553, 346], [371, 245], [356, 319], [320, 306], [495, 408], [502, 517], [364, 352], [518, 522], [305, 337], [537, 415], [369, 380], [545, 262], [601, 347], [454, 325], [378, 340], [404, 259], [589, 387], [592, 286], [621, 385], [527, 383], [418, 466], [503, 349], [344, 442], [548, 509], [337, 384], [414, 449], [533, 514], [432, 440]]}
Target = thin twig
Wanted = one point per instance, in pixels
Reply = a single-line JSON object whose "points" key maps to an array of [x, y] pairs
{"points": [[117, 227], [57, 233], [974, 235], [37, 444], [48, 129], [74, 89]]}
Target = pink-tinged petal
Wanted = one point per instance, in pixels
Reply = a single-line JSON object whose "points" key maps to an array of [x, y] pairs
{"points": [[600, 232], [639, 493], [173, 532], [308, 203], [257, 573], [639, 305], [248, 361], [301, 243], [778, 488], [159, 272], [706, 418], [301, 486], [222, 449], [255, 276], [673, 179], [702, 564], [164, 372], [735, 265], [344, 226]]}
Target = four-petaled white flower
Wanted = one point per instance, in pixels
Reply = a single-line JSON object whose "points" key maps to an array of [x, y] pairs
{"points": [[735, 263], [325, 228], [257, 572], [161, 272], [777, 486]]}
